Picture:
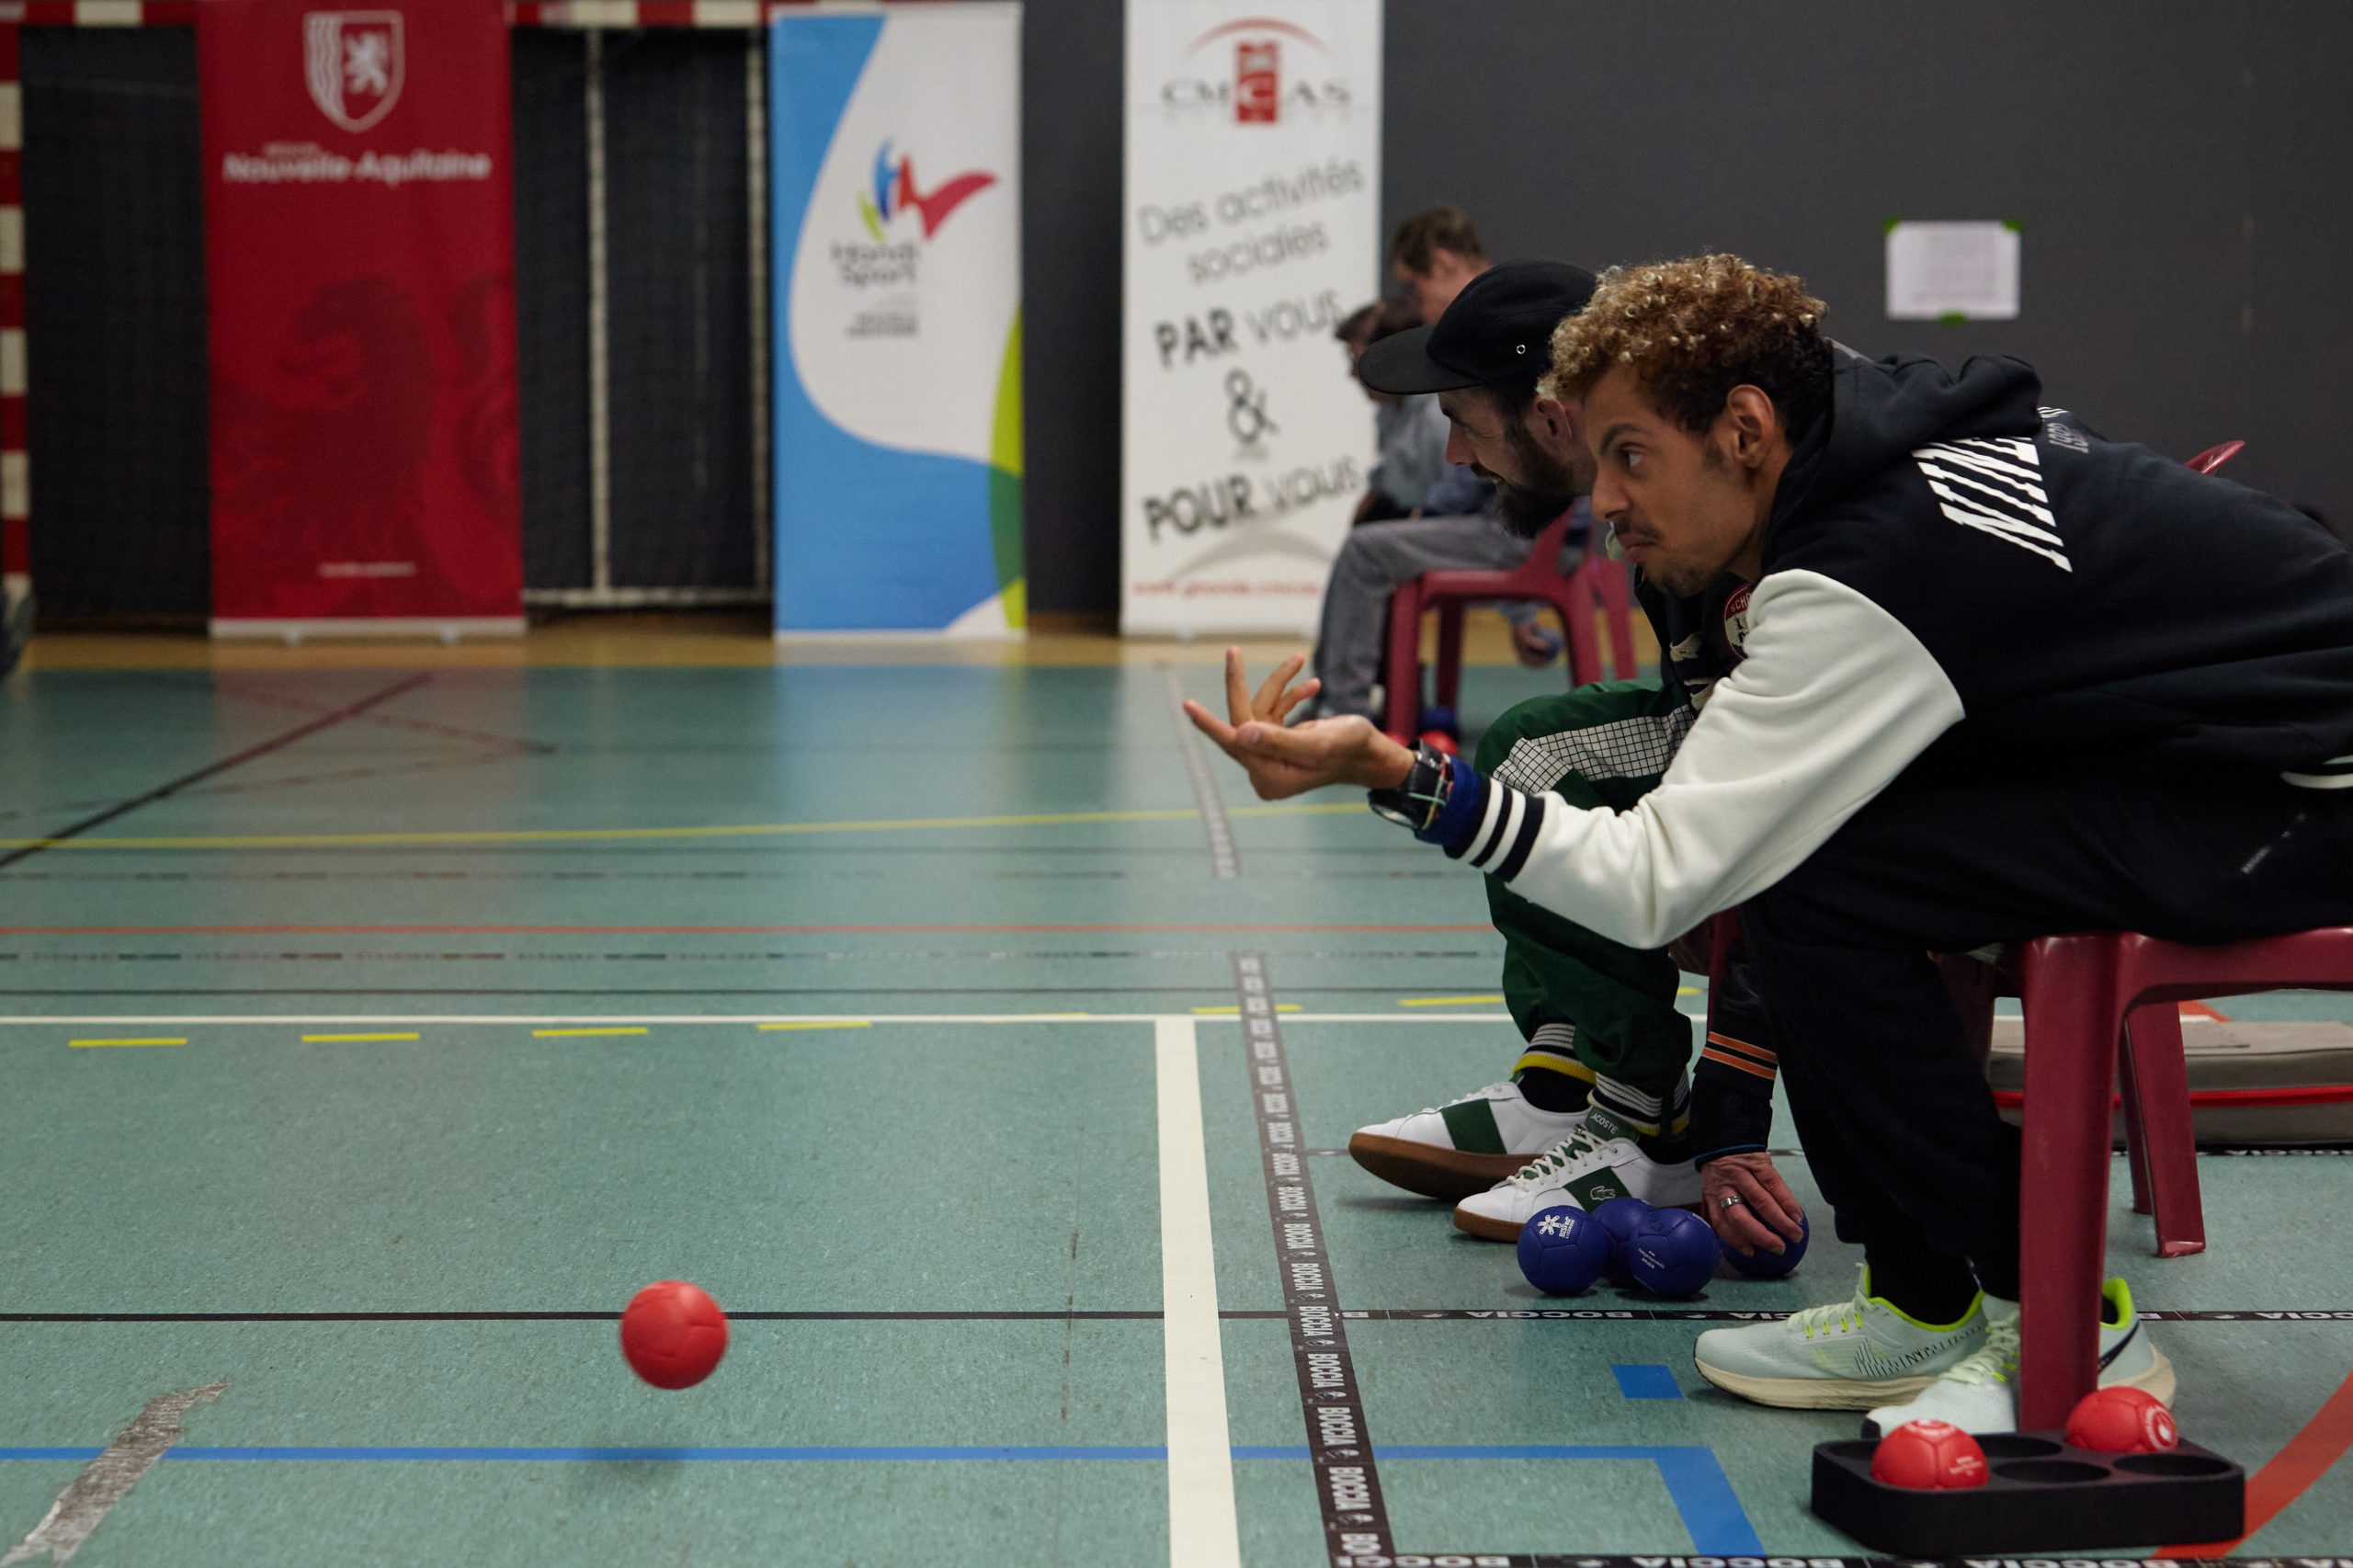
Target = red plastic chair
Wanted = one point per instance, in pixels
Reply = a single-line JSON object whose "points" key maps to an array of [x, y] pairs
{"points": [[2213, 457], [2079, 991], [2160, 1144], [1574, 595]]}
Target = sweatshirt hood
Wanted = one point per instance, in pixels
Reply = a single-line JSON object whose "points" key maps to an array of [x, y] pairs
{"points": [[1883, 410]]}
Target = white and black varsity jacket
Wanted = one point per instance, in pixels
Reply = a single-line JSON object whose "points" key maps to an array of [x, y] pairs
{"points": [[1957, 577]]}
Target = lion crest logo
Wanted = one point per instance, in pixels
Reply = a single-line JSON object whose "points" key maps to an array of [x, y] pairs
{"points": [[355, 63]]}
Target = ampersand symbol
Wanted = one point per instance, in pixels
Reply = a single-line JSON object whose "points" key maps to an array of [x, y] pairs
{"points": [[1246, 414]]}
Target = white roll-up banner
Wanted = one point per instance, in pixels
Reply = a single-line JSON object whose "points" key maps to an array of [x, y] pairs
{"points": [[1253, 229]]}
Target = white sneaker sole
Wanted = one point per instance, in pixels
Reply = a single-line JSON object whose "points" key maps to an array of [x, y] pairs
{"points": [[1430, 1170], [2156, 1380], [1817, 1393]]}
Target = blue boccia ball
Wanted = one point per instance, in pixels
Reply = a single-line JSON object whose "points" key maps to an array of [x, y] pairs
{"points": [[1621, 1217], [1563, 1250], [1763, 1265], [1674, 1253]]}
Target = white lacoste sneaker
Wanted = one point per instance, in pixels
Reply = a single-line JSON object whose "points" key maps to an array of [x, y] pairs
{"points": [[1463, 1146], [1980, 1392], [1597, 1162], [1850, 1356]]}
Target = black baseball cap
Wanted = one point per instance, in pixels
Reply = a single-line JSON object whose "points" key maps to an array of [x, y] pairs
{"points": [[1498, 330]]}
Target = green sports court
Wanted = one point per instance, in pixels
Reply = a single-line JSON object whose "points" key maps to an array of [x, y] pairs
{"points": [[394, 1023]]}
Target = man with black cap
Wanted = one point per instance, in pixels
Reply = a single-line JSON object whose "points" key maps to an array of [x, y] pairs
{"points": [[1457, 529], [1598, 1104]]}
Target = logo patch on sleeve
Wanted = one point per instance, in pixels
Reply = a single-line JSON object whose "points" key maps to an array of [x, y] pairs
{"points": [[1993, 484]]}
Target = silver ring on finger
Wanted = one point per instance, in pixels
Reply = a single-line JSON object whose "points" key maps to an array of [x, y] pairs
{"points": [[1728, 1202]]}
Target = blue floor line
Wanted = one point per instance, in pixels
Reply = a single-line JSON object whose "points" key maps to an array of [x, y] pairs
{"points": [[1703, 1494], [1647, 1381]]}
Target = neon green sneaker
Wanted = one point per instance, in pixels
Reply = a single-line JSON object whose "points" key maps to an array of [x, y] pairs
{"points": [[1854, 1355], [1980, 1393]]}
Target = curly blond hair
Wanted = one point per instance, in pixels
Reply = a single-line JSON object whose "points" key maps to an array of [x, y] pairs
{"points": [[1693, 330]]}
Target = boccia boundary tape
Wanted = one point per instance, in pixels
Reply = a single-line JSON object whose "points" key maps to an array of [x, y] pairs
{"points": [[1347, 1482], [1223, 862]]}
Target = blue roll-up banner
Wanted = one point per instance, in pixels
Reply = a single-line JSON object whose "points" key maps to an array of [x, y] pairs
{"points": [[894, 169]]}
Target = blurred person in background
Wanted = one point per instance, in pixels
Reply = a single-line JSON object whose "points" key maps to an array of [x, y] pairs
{"points": [[1409, 433], [1433, 255]]}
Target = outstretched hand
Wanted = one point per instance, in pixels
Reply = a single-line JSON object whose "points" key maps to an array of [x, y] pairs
{"points": [[1282, 762], [1767, 1216]]}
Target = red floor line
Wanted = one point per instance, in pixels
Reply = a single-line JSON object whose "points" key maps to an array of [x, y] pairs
{"points": [[674, 930], [2307, 1458]]}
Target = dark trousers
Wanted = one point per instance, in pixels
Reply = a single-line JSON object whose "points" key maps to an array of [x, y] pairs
{"points": [[1898, 1124]]}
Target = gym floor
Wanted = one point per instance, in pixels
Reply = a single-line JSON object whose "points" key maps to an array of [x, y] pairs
{"points": [[376, 1022]]}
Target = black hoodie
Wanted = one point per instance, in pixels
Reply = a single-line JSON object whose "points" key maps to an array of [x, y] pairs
{"points": [[1958, 579]]}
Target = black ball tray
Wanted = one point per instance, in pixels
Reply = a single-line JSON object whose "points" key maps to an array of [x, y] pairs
{"points": [[2042, 1495]]}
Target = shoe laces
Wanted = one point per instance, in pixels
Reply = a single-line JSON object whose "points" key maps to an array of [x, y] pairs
{"points": [[1993, 1362], [1576, 1146], [1488, 1093], [1837, 1317]]}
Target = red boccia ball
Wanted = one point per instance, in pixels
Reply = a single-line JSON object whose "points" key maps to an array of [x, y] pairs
{"points": [[673, 1333], [2122, 1421], [1929, 1455]]}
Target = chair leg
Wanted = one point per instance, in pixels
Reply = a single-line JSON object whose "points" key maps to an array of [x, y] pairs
{"points": [[1576, 621], [1618, 608], [2159, 1085], [1449, 654], [1402, 702], [2073, 1017], [2136, 1143], [1724, 930], [1973, 987]]}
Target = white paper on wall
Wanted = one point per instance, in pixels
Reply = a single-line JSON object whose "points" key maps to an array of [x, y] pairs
{"points": [[1947, 269]]}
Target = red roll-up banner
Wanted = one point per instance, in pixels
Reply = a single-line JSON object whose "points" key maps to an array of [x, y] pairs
{"points": [[359, 254]]}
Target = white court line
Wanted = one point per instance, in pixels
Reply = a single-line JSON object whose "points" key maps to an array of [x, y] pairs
{"points": [[1201, 1523], [107, 1479]]}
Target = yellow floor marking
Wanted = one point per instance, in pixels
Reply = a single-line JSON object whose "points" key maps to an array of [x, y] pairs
{"points": [[350, 1039], [79, 1043], [1235, 1012], [826, 1024], [605, 834], [1687, 990], [1446, 1001], [557, 1034]]}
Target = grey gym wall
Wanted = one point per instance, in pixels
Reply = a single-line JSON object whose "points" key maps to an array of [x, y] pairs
{"points": [[114, 259], [2178, 167], [551, 85], [1072, 71]]}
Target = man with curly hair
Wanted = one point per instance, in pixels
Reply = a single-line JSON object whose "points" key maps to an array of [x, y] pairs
{"points": [[1999, 678]]}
